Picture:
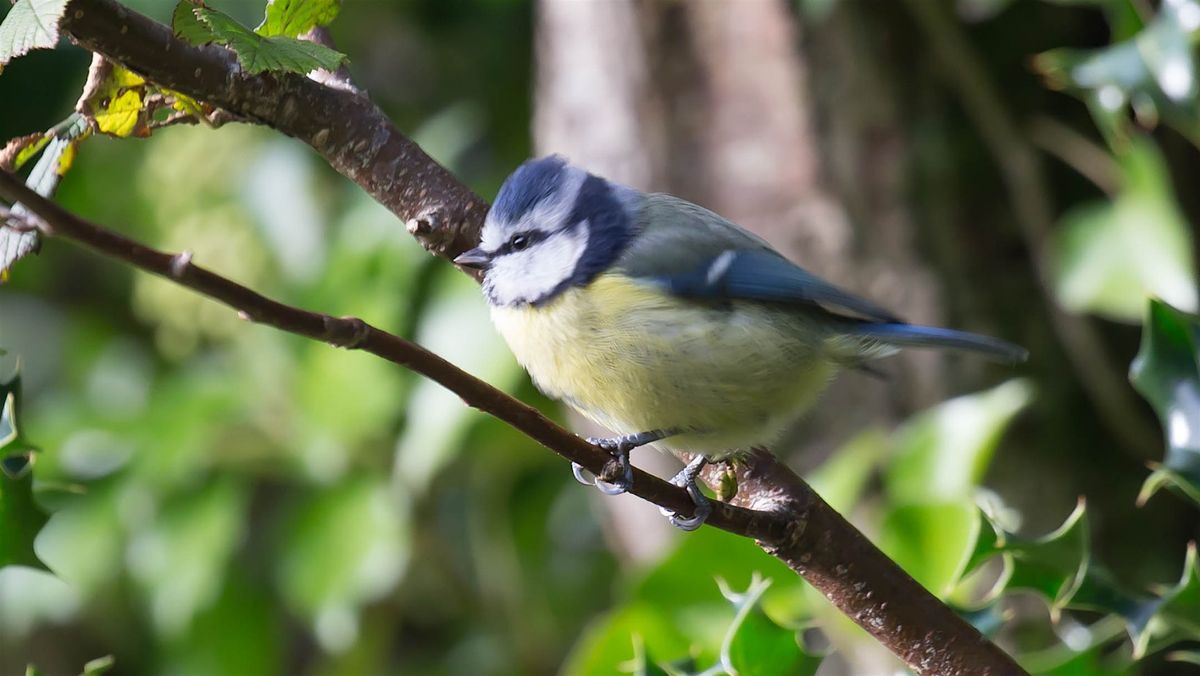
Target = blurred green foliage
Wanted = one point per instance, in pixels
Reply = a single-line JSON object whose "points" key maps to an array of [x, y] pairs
{"points": [[227, 499]]}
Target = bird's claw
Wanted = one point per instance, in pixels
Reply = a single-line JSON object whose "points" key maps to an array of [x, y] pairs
{"points": [[701, 505], [618, 448]]}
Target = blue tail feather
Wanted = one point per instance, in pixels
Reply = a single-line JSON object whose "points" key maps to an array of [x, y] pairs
{"points": [[909, 335]]}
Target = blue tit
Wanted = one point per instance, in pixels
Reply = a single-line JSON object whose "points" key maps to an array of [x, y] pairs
{"points": [[668, 324]]}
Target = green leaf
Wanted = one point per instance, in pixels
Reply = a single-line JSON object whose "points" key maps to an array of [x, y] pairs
{"points": [[290, 18], [840, 480], [187, 26], [346, 547], [180, 559], [30, 24], [1101, 592], [756, 645], [20, 517], [932, 542], [1179, 613], [258, 54], [1166, 371], [1053, 565], [606, 647], [1154, 71], [98, 666], [942, 453], [1114, 255]]}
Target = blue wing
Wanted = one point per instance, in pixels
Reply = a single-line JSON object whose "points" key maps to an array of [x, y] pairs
{"points": [[694, 253], [766, 276]]}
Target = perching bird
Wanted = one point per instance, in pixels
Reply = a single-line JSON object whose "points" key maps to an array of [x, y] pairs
{"points": [[668, 324]]}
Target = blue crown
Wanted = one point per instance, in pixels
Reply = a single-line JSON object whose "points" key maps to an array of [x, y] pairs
{"points": [[532, 182]]}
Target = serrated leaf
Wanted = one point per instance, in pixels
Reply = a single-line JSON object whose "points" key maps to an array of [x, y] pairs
{"points": [[187, 26], [30, 24], [1112, 256], [754, 644], [290, 18], [258, 54], [1100, 592], [1180, 609], [1166, 371], [1053, 565], [20, 517]]}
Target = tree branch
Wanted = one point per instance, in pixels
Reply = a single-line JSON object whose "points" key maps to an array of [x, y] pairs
{"points": [[773, 506]]}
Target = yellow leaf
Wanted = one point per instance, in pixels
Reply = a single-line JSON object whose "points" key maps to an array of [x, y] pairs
{"points": [[67, 158], [123, 78], [183, 103], [120, 116]]}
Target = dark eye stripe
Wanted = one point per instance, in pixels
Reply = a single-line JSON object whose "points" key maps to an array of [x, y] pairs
{"points": [[531, 237]]}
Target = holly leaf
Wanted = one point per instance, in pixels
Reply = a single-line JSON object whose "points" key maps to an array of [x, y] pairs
{"points": [[290, 18], [20, 517], [1053, 565], [258, 54], [754, 644], [1177, 617], [1154, 72], [1113, 255], [1166, 371], [1100, 592], [29, 25]]}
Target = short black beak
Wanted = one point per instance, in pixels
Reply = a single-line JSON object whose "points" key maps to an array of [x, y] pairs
{"points": [[475, 258]]}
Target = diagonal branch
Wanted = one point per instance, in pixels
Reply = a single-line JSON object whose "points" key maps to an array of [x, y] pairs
{"points": [[773, 506]]}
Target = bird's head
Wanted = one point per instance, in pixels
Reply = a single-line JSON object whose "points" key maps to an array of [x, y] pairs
{"points": [[553, 226]]}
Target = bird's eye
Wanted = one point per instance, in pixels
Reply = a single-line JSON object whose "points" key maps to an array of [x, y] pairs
{"points": [[518, 242]]}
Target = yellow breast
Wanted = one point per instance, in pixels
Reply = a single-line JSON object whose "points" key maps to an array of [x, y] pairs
{"points": [[634, 359]]}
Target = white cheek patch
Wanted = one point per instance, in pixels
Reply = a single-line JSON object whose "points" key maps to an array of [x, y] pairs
{"points": [[531, 275]]}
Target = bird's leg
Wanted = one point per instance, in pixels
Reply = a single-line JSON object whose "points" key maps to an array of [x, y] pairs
{"points": [[703, 507], [619, 448]]}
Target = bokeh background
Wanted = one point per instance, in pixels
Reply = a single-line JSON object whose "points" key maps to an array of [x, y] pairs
{"points": [[230, 499]]}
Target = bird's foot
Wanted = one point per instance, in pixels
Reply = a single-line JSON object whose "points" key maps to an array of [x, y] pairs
{"points": [[619, 448], [702, 506]]}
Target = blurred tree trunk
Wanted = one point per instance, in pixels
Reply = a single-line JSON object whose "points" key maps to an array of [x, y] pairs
{"points": [[712, 101]]}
